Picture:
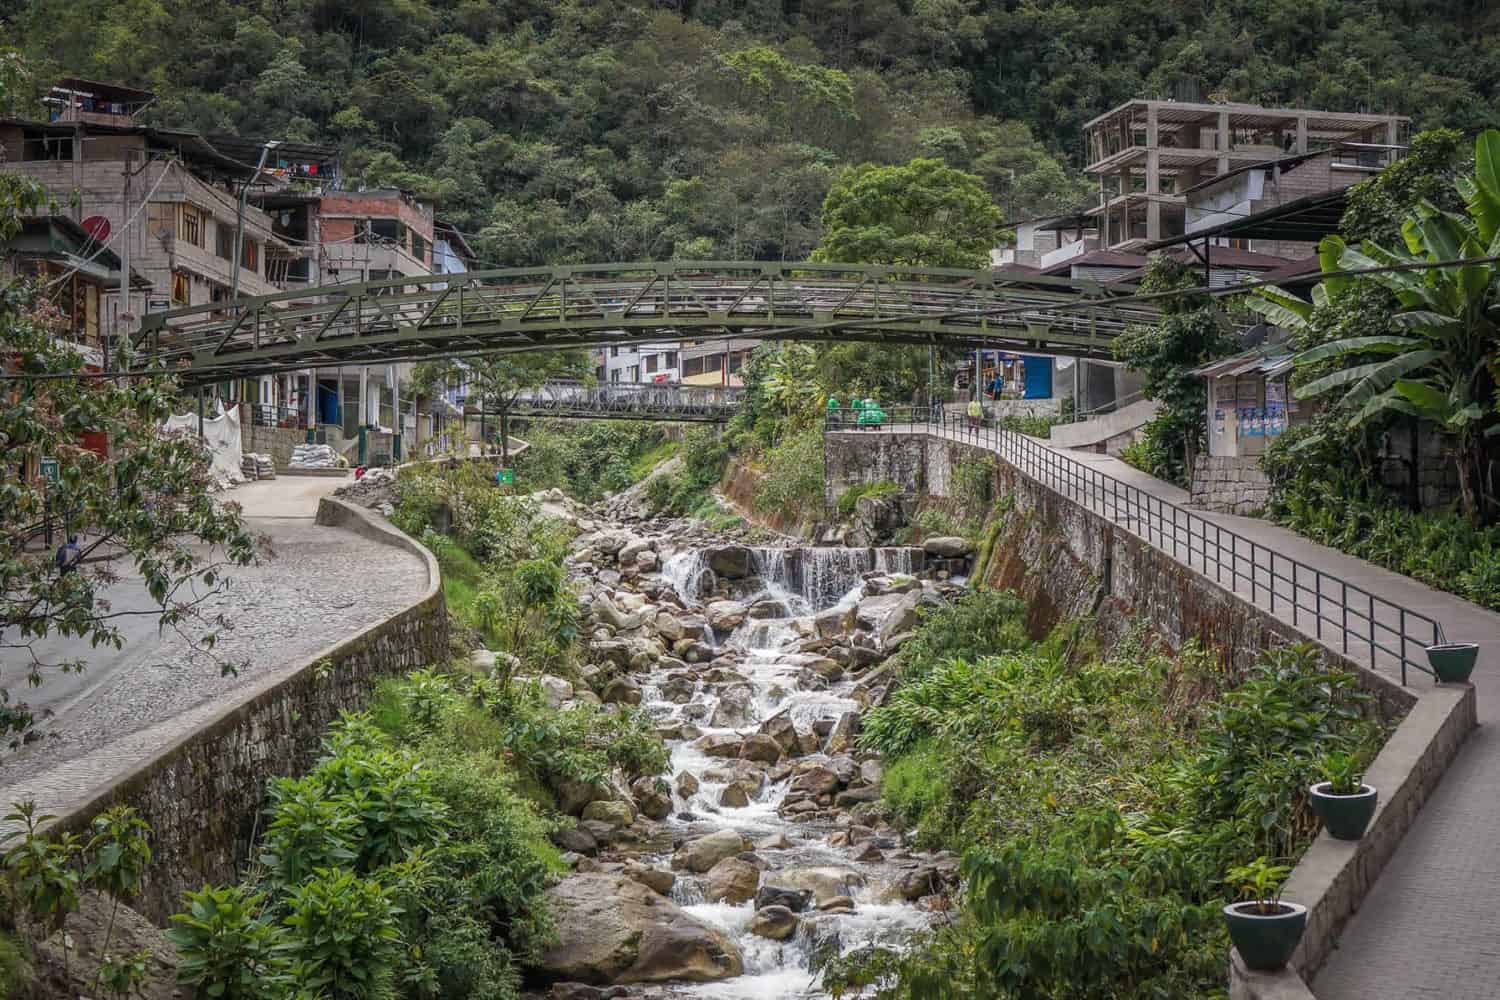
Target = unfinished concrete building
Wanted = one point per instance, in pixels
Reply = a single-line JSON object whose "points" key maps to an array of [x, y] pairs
{"points": [[1148, 155]]}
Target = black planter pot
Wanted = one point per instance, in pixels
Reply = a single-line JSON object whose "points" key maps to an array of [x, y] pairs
{"points": [[1345, 817], [1265, 940], [1452, 662]]}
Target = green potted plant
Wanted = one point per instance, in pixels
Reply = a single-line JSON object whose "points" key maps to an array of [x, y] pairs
{"points": [[1343, 802], [1453, 662], [1263, 928]]}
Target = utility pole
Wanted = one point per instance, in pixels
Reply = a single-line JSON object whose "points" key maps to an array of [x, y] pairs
{"points": [[123, 317], [239, 226]]}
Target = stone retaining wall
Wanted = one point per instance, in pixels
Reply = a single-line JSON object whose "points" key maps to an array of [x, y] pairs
{"points": [[277, 442], [1234, 485], [203, 795]]}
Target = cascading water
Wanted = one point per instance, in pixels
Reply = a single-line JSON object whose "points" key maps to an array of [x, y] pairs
{"points": [[769, 673]]}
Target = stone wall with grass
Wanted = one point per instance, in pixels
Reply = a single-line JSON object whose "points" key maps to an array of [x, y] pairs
{"points": [[203, 795]]}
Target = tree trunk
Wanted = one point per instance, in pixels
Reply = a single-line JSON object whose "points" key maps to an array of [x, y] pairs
{"points": [[1469, 488], [505, 438]]}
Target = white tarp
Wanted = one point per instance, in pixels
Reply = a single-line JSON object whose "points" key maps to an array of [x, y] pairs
{"points": [[221, 435]]}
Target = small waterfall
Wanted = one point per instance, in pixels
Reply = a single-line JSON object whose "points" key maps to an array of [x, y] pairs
{"points": [[895, 559], [686, 572], [829, 573]]}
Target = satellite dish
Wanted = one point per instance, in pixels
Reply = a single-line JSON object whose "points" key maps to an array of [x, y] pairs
{"points": [[97, 226]]}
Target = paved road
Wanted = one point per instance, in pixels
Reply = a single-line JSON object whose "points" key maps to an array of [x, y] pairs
{"points": [[1426, 929], [317, 586]]}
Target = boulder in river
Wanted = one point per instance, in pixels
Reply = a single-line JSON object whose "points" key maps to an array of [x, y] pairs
{"points": [[947, 546], [725, 615], [731, 881], [702, 854], [612, 929], [791, 900], [824, 883], [775, 922], [759, 746], [730, 561], [718, 745]]}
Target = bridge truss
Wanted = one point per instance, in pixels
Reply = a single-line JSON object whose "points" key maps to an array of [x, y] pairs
{"points": [[410, 318], [628, 401]]}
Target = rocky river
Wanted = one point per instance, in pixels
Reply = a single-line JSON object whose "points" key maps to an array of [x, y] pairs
{"points": [[765, 847]]}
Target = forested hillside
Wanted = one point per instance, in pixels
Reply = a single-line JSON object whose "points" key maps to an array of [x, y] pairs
{"points": [[622, 129]]}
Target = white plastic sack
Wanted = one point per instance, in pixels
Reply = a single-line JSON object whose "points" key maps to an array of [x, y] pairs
{"points": [[221, 435]]}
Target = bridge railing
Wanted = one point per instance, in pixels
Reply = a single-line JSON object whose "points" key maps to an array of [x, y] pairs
{"points": [[1351, 618], [631, 399]]}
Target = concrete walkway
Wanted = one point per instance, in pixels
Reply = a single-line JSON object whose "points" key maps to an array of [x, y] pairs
{"points": [[1425, 930], [315, 586]]}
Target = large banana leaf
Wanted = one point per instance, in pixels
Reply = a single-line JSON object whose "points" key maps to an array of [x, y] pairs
{"points": [[1356, 345], [1407, 286], [1383, 402], [1487, 162], [1368, 379], [1285, 310], [1427, 323], [1484, 208], [1330, 250]]}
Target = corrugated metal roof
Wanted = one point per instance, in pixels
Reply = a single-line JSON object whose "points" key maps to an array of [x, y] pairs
{"points": [[1259, 361]]}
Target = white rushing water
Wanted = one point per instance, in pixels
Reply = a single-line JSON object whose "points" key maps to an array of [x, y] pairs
{"points": [[803, 582]]}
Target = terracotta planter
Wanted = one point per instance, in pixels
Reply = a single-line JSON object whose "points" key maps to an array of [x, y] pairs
{"points": [[1453, 662], [1265, 940], [1345, 817]]}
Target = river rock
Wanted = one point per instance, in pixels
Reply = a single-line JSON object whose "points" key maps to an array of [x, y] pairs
{"points": [[759, 746], [783, 731], [575, 839], [613, 812], [687, 784], [775, 922], [824, 883], [723, 616], [668, 626], [842, 736], [572, 796], [733, 562], [734, 796], [736, 706], [815, 780], [900, 618], [834, 622], [731, 881], [923, 881], [612, 929], [702, 854], [621, 691], [947, 546], [606, 611], [852, 797], [653, 797], [791, 900], [871, 611], [656, 879], [632, 549]]}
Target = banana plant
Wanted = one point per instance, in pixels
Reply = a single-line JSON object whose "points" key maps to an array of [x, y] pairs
{"points": [[1440, 363]]}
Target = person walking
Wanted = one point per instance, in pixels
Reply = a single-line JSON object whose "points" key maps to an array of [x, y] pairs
{"points": [[976, 412]]}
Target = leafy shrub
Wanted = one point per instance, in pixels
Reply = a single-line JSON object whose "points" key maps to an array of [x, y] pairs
{"points": [[589, 461], [343, 941], [704, 456], [792, 483], [227, 945], [1032, 424]]}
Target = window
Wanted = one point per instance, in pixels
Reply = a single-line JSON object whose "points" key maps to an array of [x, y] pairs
{"points": [[614, 352], [735, 361], [161, 220], [693, 366], [419, 247], [38, 145], [192, 225], [651, 363], [250, 258], [671, 359], [180, 287], [382, 231], [224, 241]]}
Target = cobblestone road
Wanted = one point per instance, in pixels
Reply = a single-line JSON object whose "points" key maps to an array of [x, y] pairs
{"points": [[320, 586]]}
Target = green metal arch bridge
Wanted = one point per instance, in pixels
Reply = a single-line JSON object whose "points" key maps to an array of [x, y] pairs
{"points": [[410, 318]]}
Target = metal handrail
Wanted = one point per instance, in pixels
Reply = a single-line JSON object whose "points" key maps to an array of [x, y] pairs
{"points": [[1353, 617]]}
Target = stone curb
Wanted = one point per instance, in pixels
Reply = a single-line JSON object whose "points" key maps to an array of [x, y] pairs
{"points": [[1334, 876]]}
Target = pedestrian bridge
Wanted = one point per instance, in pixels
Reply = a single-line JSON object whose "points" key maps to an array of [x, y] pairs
{"points": [[410, 318], [629, 401]]}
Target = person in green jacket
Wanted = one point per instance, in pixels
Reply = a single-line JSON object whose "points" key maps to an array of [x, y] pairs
{"points": [[976, 412]]}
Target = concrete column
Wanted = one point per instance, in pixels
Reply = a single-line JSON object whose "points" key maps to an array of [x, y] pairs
{"points": [[1392, 136], [1153, 175], [1224, 142], [1301, 134], [312, 398], [364, 395]]}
